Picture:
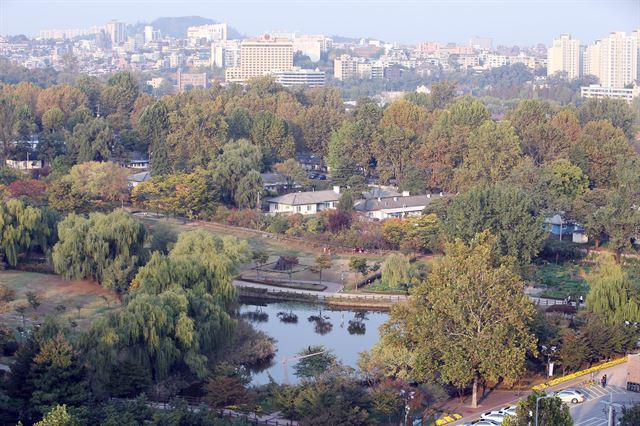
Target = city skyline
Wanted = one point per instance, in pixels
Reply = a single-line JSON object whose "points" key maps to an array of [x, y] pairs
{"points": [[402, 21]]}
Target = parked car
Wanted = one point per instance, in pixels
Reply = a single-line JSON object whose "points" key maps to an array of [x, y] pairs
{"points": [[496, 416], [573, 396], [322, 177], [509, 410], [312, 175], [481, 422]]}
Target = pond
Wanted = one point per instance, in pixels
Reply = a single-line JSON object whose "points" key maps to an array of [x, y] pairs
{"points": [[296, 326]]}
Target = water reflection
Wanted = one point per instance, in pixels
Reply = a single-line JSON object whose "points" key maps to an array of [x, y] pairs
{"points": [[346, 332]]}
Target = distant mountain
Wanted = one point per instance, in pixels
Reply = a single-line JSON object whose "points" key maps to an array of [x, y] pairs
{"points": [[177, 26]]}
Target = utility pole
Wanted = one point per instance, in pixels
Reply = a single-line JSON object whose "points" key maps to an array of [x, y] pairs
{"points": [[611, 414], [537, 401]]}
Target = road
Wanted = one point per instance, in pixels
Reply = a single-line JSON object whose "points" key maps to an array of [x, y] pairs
{"points": [[592, 412]]}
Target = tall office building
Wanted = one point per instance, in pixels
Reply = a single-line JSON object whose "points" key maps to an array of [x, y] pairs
{"points": [[564, 56], [116, 31], [614, 60], [261, 57]]}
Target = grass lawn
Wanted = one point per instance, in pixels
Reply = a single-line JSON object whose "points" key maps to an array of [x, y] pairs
{"points": [[562, 280], [83, 300]]}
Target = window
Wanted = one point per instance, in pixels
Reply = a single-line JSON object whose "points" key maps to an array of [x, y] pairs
{"points": [[298, 209]]}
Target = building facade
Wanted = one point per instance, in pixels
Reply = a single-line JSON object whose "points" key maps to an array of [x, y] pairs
{"points": [[598, 91], [614, 60], [261, 57], [564, 56], [207, 33], [300, 77], [187, 81], [116, 31]]}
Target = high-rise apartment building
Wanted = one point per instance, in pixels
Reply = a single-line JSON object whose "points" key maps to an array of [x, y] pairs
{"points": [[149, 34], [116, 31], [614, 60], [207, 33], [481, 43], [564, 56], [345, 67], [261, 57]]}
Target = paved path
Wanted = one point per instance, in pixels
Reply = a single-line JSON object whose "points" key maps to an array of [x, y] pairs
{"points": [[332, 287]]}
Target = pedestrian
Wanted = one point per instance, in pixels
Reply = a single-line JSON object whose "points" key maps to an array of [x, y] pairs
{"points": [[568, 300], [603, 381], [581, 300]]}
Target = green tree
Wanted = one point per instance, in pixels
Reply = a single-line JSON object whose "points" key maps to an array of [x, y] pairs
{"points": [[618, 112], [573, 351], [612, 294], [396, 271], [315, 365], [468, 321], [566, 181], [493, 151], [23, 229], [359, 265], [58, 416], [507, 212], [248, 191], [323, 261], [393, 149], [293, 172], [238, 159], [551, 411], [92, 141], [273, 135], [108, 248], [58, 376], [598, 150], [630, 416], [153, 128]]}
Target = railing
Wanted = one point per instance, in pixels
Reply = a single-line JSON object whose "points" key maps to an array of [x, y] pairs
{"points": [[323, 296]]}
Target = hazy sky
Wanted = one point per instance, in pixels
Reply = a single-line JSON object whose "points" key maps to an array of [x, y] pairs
{"points": [[523, 22]]}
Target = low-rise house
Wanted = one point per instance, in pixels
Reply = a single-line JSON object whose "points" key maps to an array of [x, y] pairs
{"points": [[25, 164], [306, 203], [276, 183], [395, 207], [138, 161], [137, 178], [311, 162], [561, 228]]}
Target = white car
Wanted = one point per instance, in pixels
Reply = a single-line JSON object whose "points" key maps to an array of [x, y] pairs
{"points": [[509, 410], [494, 416], [482, 422], [573, 396]]}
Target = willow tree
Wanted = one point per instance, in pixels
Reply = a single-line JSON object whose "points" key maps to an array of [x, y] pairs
{"points": [[177, 313], [108, 248], [612, 294], [22, 229], [468, 321]]}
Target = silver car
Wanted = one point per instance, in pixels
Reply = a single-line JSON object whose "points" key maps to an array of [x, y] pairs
{"points": [[481, 422], [573, 396]]}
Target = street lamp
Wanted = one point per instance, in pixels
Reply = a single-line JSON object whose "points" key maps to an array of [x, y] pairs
{"points": [[549, 352], [537, 401], [408, 396]]}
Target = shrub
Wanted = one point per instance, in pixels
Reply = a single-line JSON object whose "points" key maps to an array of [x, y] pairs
{"points": [[562, 309], [560, 251]]}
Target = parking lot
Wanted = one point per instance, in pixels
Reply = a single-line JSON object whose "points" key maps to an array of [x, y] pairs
{"points": [[593, 412]]}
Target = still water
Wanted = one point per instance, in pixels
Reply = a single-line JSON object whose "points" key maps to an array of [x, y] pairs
{"points": [[296, 326]]}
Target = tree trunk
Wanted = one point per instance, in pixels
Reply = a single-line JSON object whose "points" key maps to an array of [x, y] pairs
{"points": [[474, 392]]}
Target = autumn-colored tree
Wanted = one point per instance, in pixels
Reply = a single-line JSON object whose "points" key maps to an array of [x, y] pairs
{"points": [[493, 151], [468, 321], [598, 150], [63, 96]]}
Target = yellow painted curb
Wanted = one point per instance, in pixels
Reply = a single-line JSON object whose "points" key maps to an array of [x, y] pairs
{"points": [[577, 374], [448, 419]]}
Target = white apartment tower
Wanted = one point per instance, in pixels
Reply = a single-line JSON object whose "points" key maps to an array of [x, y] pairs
{"points": [[614, 60], [116, 31], [149, 34], [564, 56]]}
